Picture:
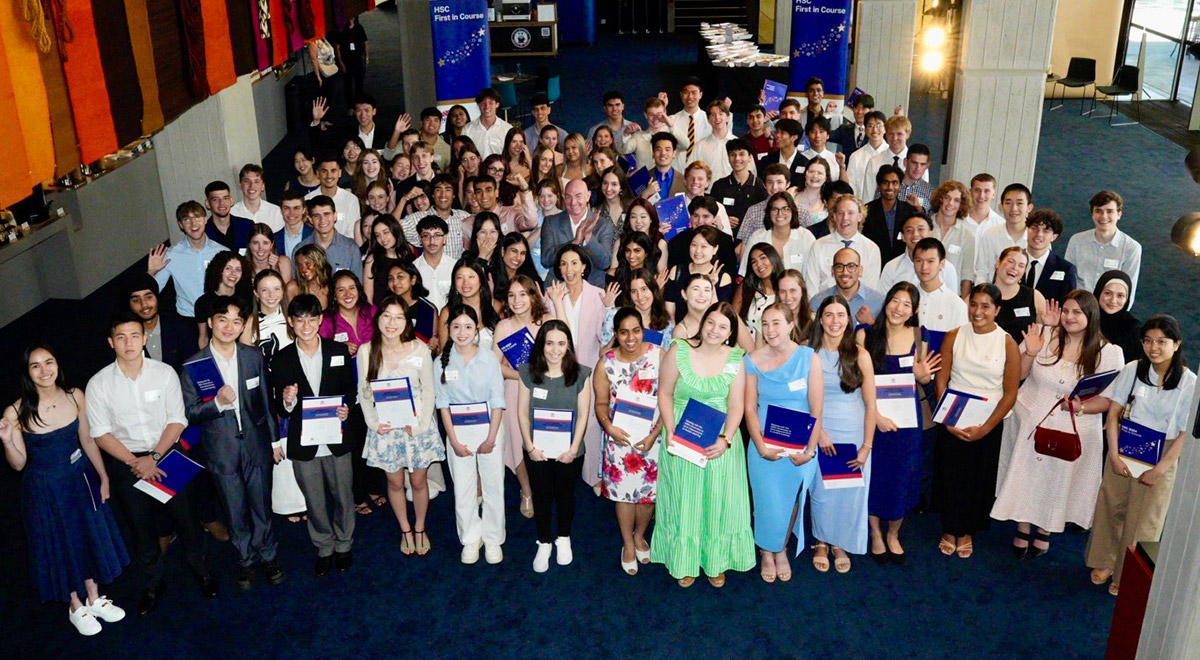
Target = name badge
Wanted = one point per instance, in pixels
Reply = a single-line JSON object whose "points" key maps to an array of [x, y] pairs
{"points": [[351, 47], [1112, 264], [730, 369], [540, 393], [414, 360], [451, 375], [760, 154], [799, 169], [337, 361], [906, 361], [649, 373], [1058, 275], [1140, 390], [342, 336], [242, 251], [151, 395], [1021, 312], [252, 383], [954, 249], [76, 455], [504, 228], [899, 236], [795, 258], [341, 217], [798, 384], [727, 201]]}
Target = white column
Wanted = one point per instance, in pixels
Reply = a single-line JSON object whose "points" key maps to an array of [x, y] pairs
{"points": [[783, 26], [997, 113], [883, 57], [416, 44], [1171, 629]]}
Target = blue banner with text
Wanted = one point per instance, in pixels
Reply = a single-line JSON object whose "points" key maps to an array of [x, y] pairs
{"points": [[821, 47], [461, 49]]}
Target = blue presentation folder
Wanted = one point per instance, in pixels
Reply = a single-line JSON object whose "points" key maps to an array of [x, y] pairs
{"points": [[207, 377], [180, 471], [834, 471], [673, 211], [1090, 386], [696, 431], [787, 429], [773, 94], [425, 317], [517, 347], [652, 336], [639, 180]]}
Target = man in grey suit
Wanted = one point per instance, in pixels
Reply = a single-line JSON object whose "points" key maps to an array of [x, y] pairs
{"points": [[238, 427], [581, 226]]}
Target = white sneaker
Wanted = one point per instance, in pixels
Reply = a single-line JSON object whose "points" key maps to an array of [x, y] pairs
{"points": [[470, 552], [564, 555], [102, 608], [493, 553], [541, 560], [84, 622]]}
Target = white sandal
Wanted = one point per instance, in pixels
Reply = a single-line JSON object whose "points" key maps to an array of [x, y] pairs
{"points": [[631, 567]]}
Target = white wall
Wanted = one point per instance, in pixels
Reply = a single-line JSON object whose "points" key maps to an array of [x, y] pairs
{"points": [[883, 58]]}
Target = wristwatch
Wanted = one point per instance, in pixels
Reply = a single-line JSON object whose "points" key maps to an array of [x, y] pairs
{"points": [[156, 456], [811, 454]]}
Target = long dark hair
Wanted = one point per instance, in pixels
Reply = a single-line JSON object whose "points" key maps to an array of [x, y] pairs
{"points": [[418, 285], [752, 285], [851, 374], [537, 358], [717, 308], [655, 232], [27, 414], [1169, 327], [490, 317], [659, 318], [876, 340], [406, 335], [624, 270], [361, 303], [476, 226], [499, 269], [456, 311], [1093, 338]]}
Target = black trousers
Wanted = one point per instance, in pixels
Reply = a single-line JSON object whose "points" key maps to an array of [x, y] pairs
{"points": [[553, 483], [141, 515], [966, 476], [352, 81], [367, 480]]}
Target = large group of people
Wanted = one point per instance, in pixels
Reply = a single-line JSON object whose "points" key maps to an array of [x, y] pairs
{"points": [[548, 324]]}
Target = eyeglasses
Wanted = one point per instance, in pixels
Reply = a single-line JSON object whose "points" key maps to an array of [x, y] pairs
{"points": [[1162, 342], [850, 268], [780, 209], [192, 219], [432, 234]]}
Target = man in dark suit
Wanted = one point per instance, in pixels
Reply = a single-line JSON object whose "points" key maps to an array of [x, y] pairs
{"points": [[223, 227], [169, 338], [788, 134], [582, 226], [238, 428], [325, 136], [1049, 273], [313, 367], [850, 136], [886, 215]]}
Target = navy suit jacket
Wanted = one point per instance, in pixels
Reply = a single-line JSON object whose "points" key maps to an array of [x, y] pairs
{"points": [[336, 380], [798, 163], [843, 136], [556, 232], [224, 446], [238, 236], [305, 232], [336, 136], [875, 227], [1057, 288], [178, 339]]}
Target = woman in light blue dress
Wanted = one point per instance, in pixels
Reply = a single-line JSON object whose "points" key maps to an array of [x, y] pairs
{"points": [[784, 374], [839, 516]]}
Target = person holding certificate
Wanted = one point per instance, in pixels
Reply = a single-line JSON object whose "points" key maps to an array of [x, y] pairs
{"points": [[1150, 400], [523, 313], [1042, 491], [901, 361], [553, 386], [981, 361], [626, 383], [704, 512], [839, 515], [470, 397], [402, 434], [781, 376]]}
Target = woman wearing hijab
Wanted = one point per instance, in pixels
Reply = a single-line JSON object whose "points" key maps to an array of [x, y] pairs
{"points": [[1116, 323]]}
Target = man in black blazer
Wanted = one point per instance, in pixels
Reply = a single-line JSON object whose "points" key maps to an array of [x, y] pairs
{"points": [[1049, 273], [310, 367], [883, 230], [852, 135], [325, 136], [238, 427], [703, 211], [788, 134], [169, 338]]}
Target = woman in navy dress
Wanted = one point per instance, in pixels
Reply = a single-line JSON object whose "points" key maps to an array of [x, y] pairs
{"points": [[72, 534], [895, 345]]}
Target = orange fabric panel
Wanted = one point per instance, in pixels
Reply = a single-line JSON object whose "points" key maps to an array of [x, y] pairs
{"points": [[218, 46], [318, 10], [33, 111], [12, 188], [143, 54], [279, 34], [85, 81]]}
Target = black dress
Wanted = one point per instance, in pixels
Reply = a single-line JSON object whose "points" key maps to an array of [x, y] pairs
{"points": [[1017, 313]]}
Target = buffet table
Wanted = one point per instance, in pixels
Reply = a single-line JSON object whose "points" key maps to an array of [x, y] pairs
{"points": [[731, 65]]}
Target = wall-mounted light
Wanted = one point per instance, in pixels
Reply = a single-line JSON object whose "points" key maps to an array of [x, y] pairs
{"points": [[934, 37], [932, 61]]}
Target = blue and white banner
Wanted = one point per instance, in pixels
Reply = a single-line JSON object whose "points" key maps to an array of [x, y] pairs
{"points": [[461, 51], [821, 48]]}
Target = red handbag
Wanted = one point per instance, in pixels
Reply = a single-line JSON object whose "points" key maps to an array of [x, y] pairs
{"points": [[1055, 443]]}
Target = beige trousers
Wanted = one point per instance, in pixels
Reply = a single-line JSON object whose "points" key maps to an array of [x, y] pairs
{"points": [[1126, 512]]}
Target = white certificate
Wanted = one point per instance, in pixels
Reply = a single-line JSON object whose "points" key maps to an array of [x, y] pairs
{"points": [[320, 424], [635, 413], [552, 430], [896, 399], [394, 402], [471, 423]]}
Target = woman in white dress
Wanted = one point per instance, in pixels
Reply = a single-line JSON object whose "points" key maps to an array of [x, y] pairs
{"points": [[1040, 491]]}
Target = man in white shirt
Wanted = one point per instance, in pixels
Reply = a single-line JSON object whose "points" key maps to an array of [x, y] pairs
{"points": [[690, 124], [443, 200], [434, 265], [348, 207], [1016, 202], [941, 308], [1105, 247], [818, 140], [614, 119], [848, 217], [135, 413], [488, 130], [253, 206], [982, 215], [859, 162], [958, 235], [900, 269], [641, 143], [897, 130], [711, 149]]}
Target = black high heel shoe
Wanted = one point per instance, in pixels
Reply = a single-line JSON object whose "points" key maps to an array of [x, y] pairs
{"points": [[1035, 552], [1019, 552]]}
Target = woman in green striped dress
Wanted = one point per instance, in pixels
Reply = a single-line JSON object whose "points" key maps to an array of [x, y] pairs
{"points": [[704, 513]]}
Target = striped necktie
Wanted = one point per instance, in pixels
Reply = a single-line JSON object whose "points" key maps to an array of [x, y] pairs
{"points": [[691, 137]]}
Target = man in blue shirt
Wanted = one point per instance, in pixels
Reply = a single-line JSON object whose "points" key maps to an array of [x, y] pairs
{"points": [[865, 302], [342, 253], [184, 263]]}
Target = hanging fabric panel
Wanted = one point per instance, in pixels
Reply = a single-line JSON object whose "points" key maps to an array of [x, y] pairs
{"points": [[241, 33], [85, 82], [167, 33], [143, 56], [120, 69], [33, 111], [218, 49]]}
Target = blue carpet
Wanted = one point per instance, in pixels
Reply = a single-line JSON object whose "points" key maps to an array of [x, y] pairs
{"points": [[934, 607]]}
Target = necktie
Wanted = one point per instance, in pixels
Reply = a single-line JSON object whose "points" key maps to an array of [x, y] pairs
{"points": [[847, 243], [895, 161], [858, 136], [1029, 275], [691, 137]]}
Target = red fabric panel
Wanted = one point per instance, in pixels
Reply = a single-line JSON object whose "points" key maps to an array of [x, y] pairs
{"points": [[218, 49], [85, 82]]}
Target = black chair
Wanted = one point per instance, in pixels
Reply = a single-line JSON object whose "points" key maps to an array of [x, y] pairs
{"points": [[1125, 83], [1081, 72]]}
